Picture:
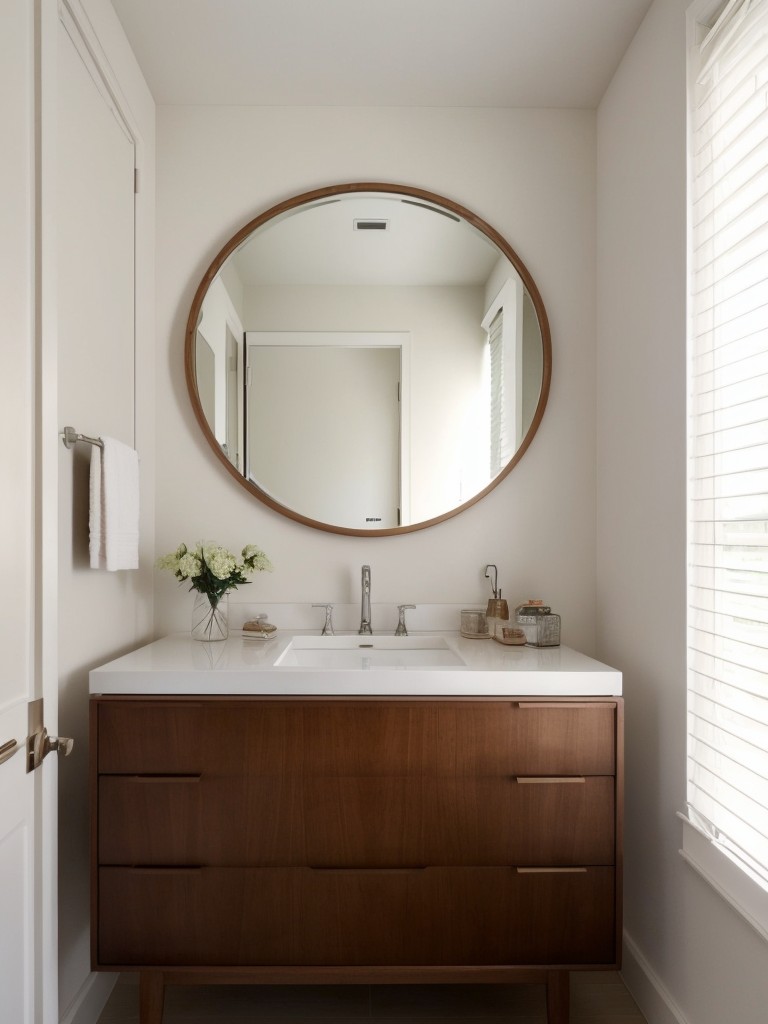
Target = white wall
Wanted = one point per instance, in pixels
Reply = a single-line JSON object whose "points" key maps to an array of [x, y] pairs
{"points": [[530, 173], [690, 957]]}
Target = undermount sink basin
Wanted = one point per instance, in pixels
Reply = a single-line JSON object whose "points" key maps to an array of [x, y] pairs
{"points": [[368, 652]]}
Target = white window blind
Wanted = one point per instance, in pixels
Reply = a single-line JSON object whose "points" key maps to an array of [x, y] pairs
{"points": [[728, 439], [500, 447]]}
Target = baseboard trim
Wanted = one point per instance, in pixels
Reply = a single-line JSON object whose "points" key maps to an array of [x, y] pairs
{"points": [[647, 989], [90, 1000]]}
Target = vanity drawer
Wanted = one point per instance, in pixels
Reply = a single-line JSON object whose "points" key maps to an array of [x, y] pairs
{"points": [[300, 916], [266, 737], [528, 737], [200, 819], [357, 738], [190, 737], [450, 738], [361, 820], [459, 821]]}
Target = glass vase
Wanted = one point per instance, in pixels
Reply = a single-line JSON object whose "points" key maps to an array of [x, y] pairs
{"points": [[209, 618]]}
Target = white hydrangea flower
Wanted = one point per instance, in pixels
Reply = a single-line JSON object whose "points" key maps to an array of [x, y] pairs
{"points": [[221, 562], [168, 562], [190, 566], [255, 559]]}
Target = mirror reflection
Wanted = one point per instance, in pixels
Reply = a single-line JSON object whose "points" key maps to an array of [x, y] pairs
{"points": [[368, 360]]}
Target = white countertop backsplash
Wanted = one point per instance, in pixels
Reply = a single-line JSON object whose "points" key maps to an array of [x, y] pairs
{"points": [[424, 618]]}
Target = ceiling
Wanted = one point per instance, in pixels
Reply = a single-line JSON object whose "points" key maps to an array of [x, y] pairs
{"points": [[433, 53]]}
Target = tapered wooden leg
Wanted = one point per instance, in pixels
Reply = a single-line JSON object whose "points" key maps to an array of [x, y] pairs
{"points": [[151, 997], [558, 997]]}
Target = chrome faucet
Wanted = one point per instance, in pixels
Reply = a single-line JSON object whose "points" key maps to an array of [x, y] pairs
{"points": [[328, 627], [401, 627], [365, 608]]}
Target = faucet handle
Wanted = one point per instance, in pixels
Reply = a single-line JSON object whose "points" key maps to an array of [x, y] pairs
{"points": [[401, 630], [328, 625]]}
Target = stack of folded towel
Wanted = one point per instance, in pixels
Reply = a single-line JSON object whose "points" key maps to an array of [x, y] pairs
{"points": [[114, 506]]}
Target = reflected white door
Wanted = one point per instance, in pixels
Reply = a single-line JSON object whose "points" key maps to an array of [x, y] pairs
{"points": [[324, 426]]}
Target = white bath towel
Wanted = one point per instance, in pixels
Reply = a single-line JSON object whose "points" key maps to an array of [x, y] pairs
{"points": [[114, 506]]}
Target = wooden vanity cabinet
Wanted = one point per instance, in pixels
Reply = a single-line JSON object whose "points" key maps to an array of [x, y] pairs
{"points": [[363, 841]]}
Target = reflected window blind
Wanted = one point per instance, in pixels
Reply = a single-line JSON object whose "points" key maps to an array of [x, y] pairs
{"points": [[500, 454], [728, 438]]}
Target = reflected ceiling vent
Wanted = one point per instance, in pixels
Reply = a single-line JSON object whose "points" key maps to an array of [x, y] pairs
{"points": [[370, 224]]}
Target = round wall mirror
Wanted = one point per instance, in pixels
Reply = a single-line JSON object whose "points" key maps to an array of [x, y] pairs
{"points": [[368, 359]]}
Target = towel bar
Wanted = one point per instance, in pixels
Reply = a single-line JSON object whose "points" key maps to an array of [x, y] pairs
{"points": [[70, 437]]}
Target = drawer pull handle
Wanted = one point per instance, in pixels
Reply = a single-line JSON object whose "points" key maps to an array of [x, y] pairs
{"points": [[522, 704], [543, 780], [551, 871]]}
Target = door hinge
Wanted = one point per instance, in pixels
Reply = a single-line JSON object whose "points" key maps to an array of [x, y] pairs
{"points": [[135, 180]]}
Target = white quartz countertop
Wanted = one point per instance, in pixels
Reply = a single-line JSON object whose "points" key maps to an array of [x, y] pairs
{"points": [[178, 665]]}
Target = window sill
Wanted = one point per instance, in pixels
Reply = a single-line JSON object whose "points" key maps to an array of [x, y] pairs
{"points": [[745, 893]]}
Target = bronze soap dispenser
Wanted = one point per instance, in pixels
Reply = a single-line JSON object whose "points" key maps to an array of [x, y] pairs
{"points": [[497, 609]]}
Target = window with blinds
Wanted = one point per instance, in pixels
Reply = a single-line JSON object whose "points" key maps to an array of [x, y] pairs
{"points": [[728, 444], [500, 447]]}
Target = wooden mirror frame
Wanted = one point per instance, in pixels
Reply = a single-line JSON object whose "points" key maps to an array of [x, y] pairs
{"points": [[343, 190]]}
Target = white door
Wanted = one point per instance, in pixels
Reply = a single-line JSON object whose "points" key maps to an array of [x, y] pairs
{"points": [[27, 807]]}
